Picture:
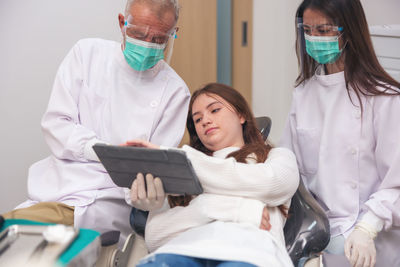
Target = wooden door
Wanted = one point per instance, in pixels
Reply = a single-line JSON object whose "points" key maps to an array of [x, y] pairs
{"points": [[242, 43], [195, 48]]}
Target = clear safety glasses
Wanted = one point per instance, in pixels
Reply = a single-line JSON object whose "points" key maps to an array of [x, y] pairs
{"points": [[145, 33], [320, 29]]}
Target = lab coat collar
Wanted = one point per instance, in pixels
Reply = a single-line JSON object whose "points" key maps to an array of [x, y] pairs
{"points": [[330, 79]]}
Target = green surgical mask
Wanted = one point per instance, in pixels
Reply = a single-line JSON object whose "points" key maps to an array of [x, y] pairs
{"points": [[323, 49], [142, 55]]}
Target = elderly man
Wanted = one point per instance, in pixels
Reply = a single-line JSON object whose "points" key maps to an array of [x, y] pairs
{"points": [[106, 92]]}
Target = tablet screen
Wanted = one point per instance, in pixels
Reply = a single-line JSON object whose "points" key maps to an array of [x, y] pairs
{"points": [[123, 163]]}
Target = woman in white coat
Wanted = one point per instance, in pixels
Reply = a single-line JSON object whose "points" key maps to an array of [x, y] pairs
{"points": [[343, 127], [242, 178]]}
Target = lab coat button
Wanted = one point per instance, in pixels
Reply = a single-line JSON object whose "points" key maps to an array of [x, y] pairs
{"points": [[153, 104], [353, 151], [358, 114], [353, 186]]}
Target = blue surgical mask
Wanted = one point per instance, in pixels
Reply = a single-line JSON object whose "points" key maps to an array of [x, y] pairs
{"points": [[142, 55], [323, 49]]}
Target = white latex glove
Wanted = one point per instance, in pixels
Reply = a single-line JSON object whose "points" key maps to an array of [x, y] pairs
{"points": [[359, 247], [153, 199]]}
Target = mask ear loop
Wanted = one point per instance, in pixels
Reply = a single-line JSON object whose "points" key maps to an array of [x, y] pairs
{"points": [[339, 36], [124, 35]]}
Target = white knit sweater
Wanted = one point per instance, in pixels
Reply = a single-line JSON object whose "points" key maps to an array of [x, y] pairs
{"points": [[223, 222]]}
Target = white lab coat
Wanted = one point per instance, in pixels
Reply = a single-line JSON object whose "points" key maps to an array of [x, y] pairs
{"points": [[348, 160], [98, 97]]}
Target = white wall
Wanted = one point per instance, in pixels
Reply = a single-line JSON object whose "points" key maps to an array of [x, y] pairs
{"points": [[274, 60], [380, 12], [35, 37]]}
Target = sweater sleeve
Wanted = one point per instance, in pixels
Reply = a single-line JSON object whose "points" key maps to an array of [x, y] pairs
{"points": [[230, 208], [165, 224], [273, 182]]}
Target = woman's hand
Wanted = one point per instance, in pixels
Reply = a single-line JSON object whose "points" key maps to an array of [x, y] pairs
{"points": [[141, 143], [265, 225], [360, 249], [151, 199]]}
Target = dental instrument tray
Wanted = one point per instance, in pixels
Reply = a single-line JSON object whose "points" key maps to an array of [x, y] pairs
{"points": [[34, 245], [172, 166]]}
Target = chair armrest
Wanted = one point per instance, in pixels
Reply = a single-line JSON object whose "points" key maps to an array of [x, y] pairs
{"points": [[307, 230]]}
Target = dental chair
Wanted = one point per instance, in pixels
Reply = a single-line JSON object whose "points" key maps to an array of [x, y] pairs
{"points": [[306, 231]]}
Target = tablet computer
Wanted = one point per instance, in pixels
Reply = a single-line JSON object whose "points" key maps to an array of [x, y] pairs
{"points": [[123, 163]]}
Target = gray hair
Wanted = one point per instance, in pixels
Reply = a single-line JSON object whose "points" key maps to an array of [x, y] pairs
{"points": [[159, 6]]}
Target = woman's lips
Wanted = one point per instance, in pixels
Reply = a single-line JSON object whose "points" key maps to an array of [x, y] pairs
{"points": [[210, 130]]}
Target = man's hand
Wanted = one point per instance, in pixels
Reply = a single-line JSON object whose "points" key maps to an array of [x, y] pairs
{"points": [[140, 143], [265, 225], [149, 200]]}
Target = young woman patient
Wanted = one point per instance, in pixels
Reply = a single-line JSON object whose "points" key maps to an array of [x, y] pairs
{"points": [[246, 184]]}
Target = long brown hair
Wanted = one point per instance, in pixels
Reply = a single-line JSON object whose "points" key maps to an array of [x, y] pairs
{"points": [[253, 142], [362, 71]]}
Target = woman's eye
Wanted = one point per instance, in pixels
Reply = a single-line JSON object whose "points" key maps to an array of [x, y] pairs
{"points": [[307, 30], [323, 31], [215, 110], [197, 120]]}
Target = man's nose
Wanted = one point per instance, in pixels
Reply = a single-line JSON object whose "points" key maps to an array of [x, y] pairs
{"points": [[148, 38]]}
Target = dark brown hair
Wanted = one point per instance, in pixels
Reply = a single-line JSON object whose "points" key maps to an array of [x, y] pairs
{"points": [[253, 142], [362, 71]]}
